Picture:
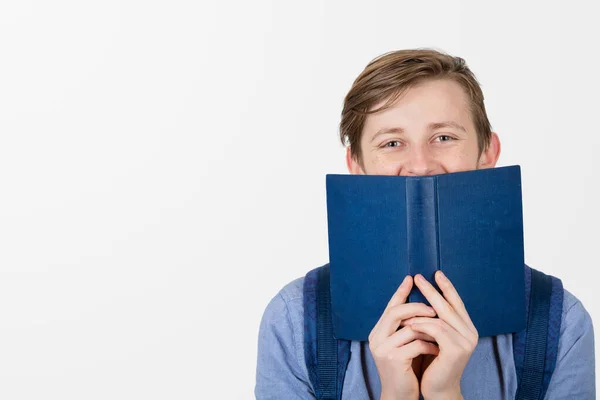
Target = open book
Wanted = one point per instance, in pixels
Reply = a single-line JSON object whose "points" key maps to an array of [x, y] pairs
{"points": [[467, 224]]}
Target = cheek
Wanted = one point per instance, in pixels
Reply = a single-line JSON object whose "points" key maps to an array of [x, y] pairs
{"points": [[382, 164], [461, 160], [376, 162]]}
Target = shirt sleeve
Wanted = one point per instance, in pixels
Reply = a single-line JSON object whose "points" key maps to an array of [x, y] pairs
{"points": [[279, 373], [574, 376]]}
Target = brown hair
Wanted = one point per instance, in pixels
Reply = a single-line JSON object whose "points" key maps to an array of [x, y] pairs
{"points": [[392, 74]]}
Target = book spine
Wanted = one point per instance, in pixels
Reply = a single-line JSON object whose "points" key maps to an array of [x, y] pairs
{"points": [[422, 231]]}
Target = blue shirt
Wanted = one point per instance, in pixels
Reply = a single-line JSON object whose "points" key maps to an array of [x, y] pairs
{"points": [[490, 373]]}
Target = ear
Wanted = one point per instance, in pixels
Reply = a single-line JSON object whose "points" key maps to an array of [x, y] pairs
{"points": [[489, 157], [352, 163]]}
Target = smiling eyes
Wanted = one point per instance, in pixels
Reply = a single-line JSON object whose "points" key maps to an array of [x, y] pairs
{"points": [[393, 143], [398, 143]]}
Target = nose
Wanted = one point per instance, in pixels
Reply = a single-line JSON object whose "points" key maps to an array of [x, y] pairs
{"points": [[420, 162]]}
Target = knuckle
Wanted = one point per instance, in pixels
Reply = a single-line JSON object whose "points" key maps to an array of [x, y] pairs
{"points": [[404, 308], [438, 330], [400, 312], [446, 307], [378, 354], [411, 334], [473, 343], [396, 310], [439, 325], [373, 345], [468, 349], [420, 344], [424, 309], [467, 345]]}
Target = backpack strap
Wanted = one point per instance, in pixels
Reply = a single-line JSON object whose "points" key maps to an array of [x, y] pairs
{"points": [[326, 357], [535, 348]]}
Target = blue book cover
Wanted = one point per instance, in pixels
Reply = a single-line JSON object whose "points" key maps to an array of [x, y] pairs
{"points": [[467, 224]]}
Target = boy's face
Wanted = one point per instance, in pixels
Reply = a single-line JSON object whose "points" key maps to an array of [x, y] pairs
{"points": [[428, 130]]}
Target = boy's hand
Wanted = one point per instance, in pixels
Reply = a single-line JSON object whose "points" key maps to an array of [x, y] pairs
{"points": [[454, 333], [394, 350]]}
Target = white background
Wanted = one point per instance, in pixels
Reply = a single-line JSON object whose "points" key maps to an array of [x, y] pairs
{"points": [[162, 170]]}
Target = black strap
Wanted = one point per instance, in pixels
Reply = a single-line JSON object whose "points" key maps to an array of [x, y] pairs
{"points": [[327, 357], [531, 381]]}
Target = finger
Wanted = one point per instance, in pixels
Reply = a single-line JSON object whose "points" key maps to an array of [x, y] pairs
{"points": [[422, 320], [394, 316], [447, 338], [401, 294], [415, 349], [413, 320], [407, 353], [443, 309], [405, 336], [453, 298], [399, 339], [399, 297]]}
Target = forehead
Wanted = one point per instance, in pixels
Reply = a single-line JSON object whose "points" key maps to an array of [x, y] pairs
{"points": [[427, 102]]}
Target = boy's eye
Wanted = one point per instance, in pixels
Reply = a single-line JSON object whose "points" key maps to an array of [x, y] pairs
{"points": [[444, 138], [393, 143]]}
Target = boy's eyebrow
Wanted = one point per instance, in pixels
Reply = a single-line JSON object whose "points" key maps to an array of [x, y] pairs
{"points": [[387, 130], [446, 124]]}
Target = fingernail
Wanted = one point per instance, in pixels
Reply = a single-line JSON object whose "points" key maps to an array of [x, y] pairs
{"points": [[442, 276], [420, 278], [431, 311]]}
